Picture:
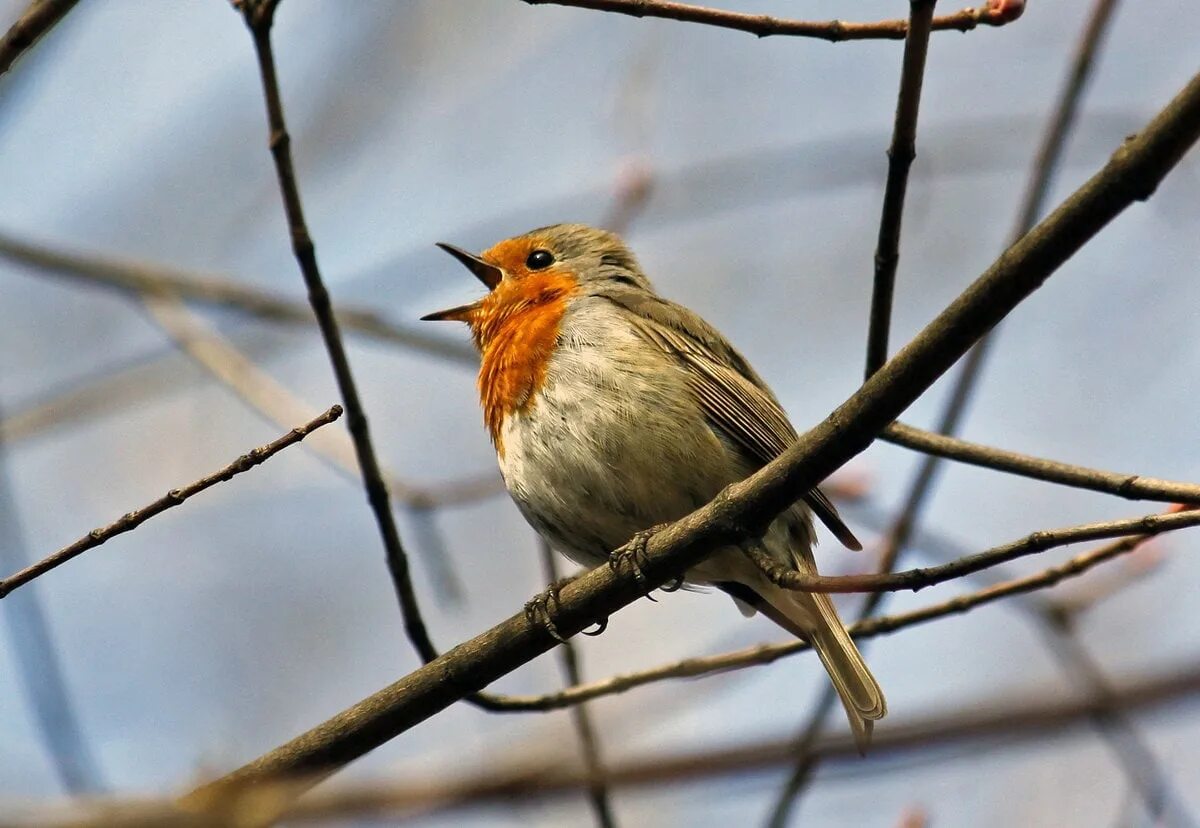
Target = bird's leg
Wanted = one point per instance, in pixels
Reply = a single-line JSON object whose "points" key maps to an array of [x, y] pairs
{"points": [[633, 555]]}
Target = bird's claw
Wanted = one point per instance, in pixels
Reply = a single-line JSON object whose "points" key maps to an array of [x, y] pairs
{"points": [[601, 626], [542, 607], [633, 555], [673, 585]]}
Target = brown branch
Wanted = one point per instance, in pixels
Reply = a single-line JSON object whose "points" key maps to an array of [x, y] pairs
{"points": [[861, 630], [175, 497], [1001, 720], [215, 291], [763, 25], [1132, 174], [1129, 486], [589, 743], [900, 157], [40, 17], [276, 402], [916, 579], [259, 17]]}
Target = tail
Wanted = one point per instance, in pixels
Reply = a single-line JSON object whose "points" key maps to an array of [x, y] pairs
{"points": [[811, 616]]}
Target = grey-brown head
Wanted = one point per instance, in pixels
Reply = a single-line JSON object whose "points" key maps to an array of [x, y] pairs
{"points": [[594, 260]]}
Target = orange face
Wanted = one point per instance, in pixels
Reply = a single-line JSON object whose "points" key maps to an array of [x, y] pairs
{"points": [[515, 326]]}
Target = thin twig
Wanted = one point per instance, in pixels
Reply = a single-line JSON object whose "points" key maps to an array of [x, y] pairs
{"points": [[861, 630], [39, 18], [277, 403], [763, 25], [1129, 486], [742, 508], [916, 579], [887, 258], [589, 743], [175, 497], [216, 291], [900, 154], [905, 524], [259, 17]]}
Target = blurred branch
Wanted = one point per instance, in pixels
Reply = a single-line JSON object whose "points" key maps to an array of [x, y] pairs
{"points": [[916, 579], [763, 25], [175, 497], [1129, 486], [215, 291], [1138, 762], [743, 508], [589, 743], [38, 667], [40, 17], [1001, 721], [278, 404], [900, 157], [259, 16]]}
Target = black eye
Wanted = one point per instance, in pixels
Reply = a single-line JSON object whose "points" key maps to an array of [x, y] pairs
{"points": [[539, 260]]}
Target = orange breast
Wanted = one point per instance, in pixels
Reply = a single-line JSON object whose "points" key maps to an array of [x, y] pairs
{"points": [[517, 331]]}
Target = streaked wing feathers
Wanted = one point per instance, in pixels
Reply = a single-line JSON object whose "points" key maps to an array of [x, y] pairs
{"points": [[735, 399]]}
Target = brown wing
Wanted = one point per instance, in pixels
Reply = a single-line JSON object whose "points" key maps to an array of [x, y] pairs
{"points": [[733, 397]]}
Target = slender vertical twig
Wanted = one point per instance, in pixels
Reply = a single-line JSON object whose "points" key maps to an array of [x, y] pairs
{"points": [[1033, 203], [900, 157], [887, 258], [259, 17], [37, 664], [581, 715]]}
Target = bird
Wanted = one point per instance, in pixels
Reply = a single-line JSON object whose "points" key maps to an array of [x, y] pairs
{"points": [[613, 410]]}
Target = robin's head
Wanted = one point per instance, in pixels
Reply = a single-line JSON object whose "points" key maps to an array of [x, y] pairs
{"points": [[540, 269]]}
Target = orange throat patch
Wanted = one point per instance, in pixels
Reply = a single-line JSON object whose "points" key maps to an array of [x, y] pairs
{"points": [[516, 329]]}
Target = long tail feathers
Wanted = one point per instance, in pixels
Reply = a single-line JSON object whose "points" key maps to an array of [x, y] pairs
{"points": [[811, 616]]}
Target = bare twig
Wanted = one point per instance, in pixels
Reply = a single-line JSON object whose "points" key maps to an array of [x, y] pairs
{"points": [[900, 157], [742, 508], [216, 291], [277, 403], [39, 18], [916, 579], [861, 630], [923, 482], [259, 16], [1129, 486], [887, 258], [173, 498], [589, 743], [763, 25]]}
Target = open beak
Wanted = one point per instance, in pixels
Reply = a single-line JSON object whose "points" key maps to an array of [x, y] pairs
{"points": [[487, 273]]}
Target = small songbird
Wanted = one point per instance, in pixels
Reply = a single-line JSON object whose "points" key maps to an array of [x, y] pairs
{"points": [[614, 410]]}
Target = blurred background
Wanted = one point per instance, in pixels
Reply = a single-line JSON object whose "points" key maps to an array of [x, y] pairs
{"points": [[747, 174]]}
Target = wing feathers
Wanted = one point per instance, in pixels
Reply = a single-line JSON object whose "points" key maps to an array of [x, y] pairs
{"points": [[734, 398]]}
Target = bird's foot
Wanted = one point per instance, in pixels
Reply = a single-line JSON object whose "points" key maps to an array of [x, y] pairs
{"points": [[633, 555], [542, 608]]}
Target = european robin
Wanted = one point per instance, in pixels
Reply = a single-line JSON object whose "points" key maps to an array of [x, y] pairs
{"points": [[613, 410]]}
